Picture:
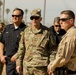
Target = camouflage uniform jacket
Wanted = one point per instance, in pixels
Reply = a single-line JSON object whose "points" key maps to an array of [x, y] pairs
{"points": [[34, 47], [66, 54]]}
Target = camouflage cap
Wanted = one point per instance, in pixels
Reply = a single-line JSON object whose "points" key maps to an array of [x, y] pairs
{"points": [[36, 12]]}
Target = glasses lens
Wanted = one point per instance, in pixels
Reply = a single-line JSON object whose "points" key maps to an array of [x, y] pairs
{"points": [[64, 19], [57, 26], [34, 17], [16, 15]]}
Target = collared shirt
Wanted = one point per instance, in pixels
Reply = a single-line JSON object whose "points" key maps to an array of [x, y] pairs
{"points": [[11, 37], [66, 54]]}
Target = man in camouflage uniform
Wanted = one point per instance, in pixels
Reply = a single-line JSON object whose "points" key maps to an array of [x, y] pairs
{"points": [[66, 54], [34, 47]]}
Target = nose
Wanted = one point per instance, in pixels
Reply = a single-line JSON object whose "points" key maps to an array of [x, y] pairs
{"points": [[34, 20]]}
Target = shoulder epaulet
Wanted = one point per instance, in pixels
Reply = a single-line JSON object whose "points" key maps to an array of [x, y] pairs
{"points": [[21, 33]]}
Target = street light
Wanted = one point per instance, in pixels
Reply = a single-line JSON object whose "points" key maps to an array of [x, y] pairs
{"points": [[44, 12]]}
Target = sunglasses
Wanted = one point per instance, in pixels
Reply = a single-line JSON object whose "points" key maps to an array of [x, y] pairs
{"points": [[16, 15], [34, 17], [64, 19], [57, 26]]}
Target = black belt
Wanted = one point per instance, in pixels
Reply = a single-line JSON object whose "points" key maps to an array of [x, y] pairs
{"points": [[71, 72], [8, 58], [64, 71]]}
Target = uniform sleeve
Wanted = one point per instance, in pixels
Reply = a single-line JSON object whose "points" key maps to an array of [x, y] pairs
{"points": [[64, 53], [49, 44], [21, 51], [52, 47]]}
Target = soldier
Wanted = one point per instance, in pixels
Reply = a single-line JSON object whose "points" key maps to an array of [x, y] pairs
{"points": [[10, 41], [34, 47], [66, 54]]}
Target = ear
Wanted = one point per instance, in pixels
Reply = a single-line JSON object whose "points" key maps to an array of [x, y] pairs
{"points": [[22, 17], [40, 18], [71, 20]]}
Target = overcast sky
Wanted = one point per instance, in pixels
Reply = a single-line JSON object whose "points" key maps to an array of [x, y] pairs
{"points": [[53, 8]]}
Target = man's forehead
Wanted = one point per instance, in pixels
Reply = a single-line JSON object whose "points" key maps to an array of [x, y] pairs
{"points": [[63, 15]]}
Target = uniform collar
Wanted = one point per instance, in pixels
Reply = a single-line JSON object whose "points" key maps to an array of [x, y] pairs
{"points": [[13, 27], [68, 31], [35, 31]]}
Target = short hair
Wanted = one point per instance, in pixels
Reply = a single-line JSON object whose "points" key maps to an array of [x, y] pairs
{"points": [[69, 13], [22, 12], [57, 19]]}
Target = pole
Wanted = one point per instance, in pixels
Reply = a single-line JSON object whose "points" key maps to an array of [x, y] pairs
{"points": [[44, 12], [3, 9], [0, 8]]}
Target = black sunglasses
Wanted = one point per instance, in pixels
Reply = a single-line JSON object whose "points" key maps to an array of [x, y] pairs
{"points": [[57, 26], [34, 17], [64, 19], [16, 15]]}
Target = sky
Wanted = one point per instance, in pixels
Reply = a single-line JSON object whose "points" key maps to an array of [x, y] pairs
{"points": [[53, 8]]}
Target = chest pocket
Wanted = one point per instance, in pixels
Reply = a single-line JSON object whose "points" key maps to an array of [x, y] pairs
{"points": [[44, 39], [44, 42], [36, 40], [17, 38], [62, 48], [6, 37]]}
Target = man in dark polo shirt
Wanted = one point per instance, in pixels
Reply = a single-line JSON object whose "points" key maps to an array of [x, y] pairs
{"points": [[10, 41]]}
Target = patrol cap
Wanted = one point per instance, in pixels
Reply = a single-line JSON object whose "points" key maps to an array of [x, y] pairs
{"points": [[36, 12]]}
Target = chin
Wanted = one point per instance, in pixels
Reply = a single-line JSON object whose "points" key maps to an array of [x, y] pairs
{"points": [[62, 27], [34, 24]]}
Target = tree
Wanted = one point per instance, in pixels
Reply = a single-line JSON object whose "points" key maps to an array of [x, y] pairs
{"points": [[26, 11], [7, 12]]}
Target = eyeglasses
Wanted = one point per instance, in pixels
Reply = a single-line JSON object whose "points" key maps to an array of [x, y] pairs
{"points": [[64, 19], [34, 17], [57, 26], [16, 15]]}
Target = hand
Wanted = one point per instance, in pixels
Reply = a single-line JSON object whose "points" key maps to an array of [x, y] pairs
{"points": [[13, 58], [50, 72], [19, 69], [3, 60]]}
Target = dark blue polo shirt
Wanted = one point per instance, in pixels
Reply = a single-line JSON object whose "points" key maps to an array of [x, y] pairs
{"points": [[11, 37]]}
